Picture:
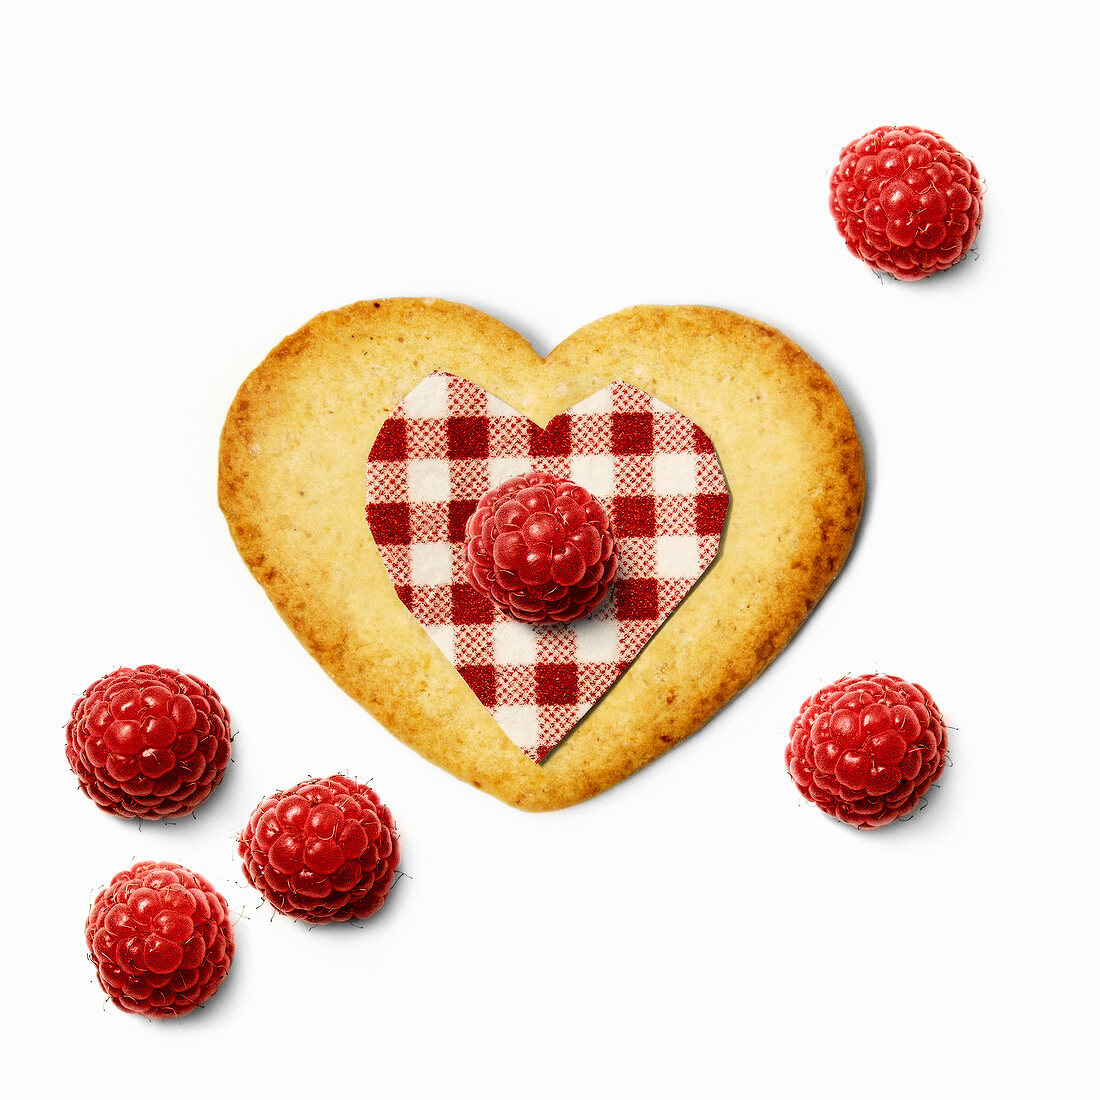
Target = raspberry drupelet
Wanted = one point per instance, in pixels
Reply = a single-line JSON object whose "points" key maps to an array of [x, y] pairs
{"points": [[160, 939], [323, 850], [148, 742], [865, 749], [542, 549]]}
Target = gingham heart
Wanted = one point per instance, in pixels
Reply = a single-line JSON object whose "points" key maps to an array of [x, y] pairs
{"points": [[448, 442]]}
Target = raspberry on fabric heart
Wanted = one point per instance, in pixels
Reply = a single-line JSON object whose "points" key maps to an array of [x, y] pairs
{"points": [[542, 549], [906, 201], [148, 742], [160, 939], [323, 850], [865, 749]]}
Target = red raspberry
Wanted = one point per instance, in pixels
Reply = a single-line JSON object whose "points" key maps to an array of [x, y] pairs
{"points": [[324, 850], [148, 742], [906, 201], [160, 939], [542, 549], [866, 748]]}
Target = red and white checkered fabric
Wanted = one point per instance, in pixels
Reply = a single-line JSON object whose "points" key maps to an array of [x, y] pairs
{"points": [[658, 475]]}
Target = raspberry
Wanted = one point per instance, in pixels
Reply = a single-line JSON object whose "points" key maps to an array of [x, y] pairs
{"points": [[324, 850], [866, 748], [160, 939], [542, 549], [148, 742], [906, 201]]}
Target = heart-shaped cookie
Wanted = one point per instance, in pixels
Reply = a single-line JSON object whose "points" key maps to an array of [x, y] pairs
{"points": [[294, 452]]}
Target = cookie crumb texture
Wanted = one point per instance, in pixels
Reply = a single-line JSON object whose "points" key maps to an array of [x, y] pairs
{"points": [[865, 749], [160, 939], [324, 850], [906, 201], [541, 548], [148, 742]]}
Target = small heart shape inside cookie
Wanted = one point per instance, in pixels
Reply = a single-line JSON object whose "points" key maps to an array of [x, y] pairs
{"points": [[295, 448], [448, 443]]}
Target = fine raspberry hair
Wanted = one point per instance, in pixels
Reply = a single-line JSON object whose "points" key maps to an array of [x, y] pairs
{"points": [[865, 749], [542, 549], [160, 939], [323, 850], [148, 742], [906, 201]]}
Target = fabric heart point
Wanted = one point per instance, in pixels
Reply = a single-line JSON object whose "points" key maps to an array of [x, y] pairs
{"points": [[542, 560]]}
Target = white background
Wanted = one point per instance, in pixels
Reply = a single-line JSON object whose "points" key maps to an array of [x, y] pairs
{"points": [[186, 184]]}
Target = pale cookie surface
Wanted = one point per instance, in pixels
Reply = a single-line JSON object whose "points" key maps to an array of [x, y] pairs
{"points": [[292, 486]]}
